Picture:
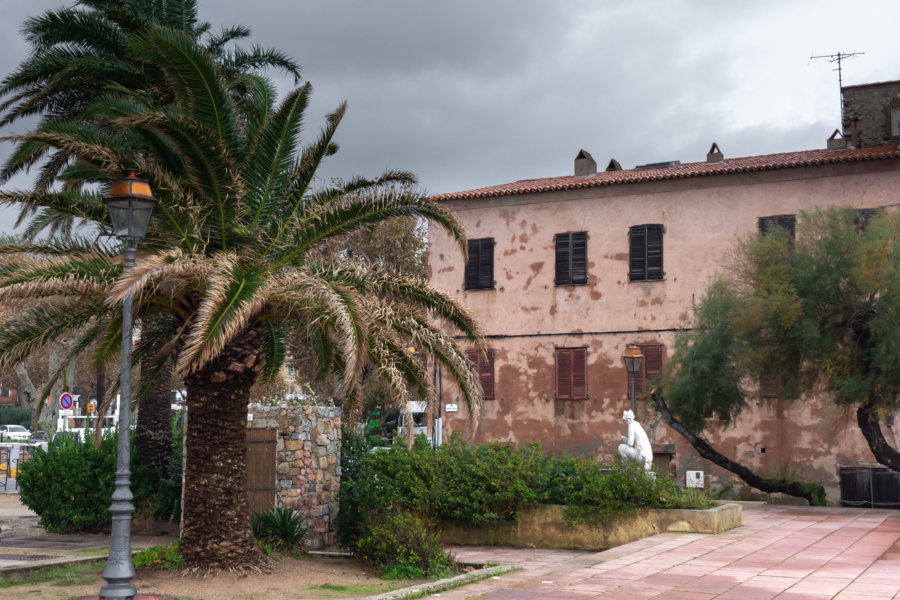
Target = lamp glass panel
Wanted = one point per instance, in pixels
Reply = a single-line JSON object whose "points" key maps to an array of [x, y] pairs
{"points": [[140, 220], [118, 213]]}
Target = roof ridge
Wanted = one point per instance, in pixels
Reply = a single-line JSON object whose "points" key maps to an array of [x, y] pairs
{"points": [[761, 162]]}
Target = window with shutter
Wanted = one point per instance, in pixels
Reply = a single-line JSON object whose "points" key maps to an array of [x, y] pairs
{"points": [[484, 365], [645, 252], [863, 216], [571, 258], [650, 366], [786, 222], [571, 373], [479, 273], [769, 386]]}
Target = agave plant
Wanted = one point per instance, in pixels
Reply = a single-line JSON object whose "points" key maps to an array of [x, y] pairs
{"points": [[229, 269]]}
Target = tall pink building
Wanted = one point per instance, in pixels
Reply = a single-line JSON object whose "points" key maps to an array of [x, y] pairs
{"points": [[565, 272]]}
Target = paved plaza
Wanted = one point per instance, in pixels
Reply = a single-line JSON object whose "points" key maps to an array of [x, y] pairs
{"points": [[789, 553]]}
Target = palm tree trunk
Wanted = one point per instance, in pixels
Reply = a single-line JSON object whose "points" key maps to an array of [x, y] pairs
{"points": [[153, 433], [217, 532]]}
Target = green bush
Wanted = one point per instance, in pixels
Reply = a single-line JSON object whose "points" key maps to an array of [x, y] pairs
{"points": [[490, 482], [14, 415], [157, 489], [70, 485], [403, 548], [350, 523], [159, 557], [280, 528]]}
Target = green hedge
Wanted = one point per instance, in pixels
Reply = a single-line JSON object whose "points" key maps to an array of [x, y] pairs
{"points": [[70, 485], [490, 482]]}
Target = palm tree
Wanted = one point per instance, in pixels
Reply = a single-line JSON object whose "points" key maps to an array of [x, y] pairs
{"points": [[228, 271], [79, 54]]}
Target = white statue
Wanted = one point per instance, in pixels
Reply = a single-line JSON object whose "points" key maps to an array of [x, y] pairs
{"points": [[636, 444]]}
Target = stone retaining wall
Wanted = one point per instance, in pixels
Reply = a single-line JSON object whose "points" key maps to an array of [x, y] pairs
{"points": [[545, 526], [308, 464]]}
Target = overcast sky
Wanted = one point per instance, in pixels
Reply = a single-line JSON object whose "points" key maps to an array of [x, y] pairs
{"points": [[474, 93]]}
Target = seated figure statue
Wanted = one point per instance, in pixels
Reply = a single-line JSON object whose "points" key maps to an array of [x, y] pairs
{"points": [[636, 444]]}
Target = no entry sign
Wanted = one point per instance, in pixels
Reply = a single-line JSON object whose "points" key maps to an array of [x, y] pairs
{"points": [[65, 401]]}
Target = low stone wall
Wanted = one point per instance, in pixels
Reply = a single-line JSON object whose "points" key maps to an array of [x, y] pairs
{"points": [[545, 526], [308, 465]]}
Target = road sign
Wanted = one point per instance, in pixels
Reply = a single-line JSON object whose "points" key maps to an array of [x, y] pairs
{"points": [[65, 401], [92, 405]]}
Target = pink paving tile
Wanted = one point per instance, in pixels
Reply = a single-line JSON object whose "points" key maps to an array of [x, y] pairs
{"points": [[679, 595], [881, 589], [711, 584]]}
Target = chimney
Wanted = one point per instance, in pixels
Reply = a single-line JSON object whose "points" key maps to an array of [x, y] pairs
{"points": [[613, 165], [836, 141], [714, 156], [585, 165], [854, 132]]}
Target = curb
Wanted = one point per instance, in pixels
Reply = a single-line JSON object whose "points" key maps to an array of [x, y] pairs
{"points": [[440, 585]]}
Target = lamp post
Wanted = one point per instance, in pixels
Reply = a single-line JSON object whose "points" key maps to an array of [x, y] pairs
{"points": [[633, 359], [130, 204]]}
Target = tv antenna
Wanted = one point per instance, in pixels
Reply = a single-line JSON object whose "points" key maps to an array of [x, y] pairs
{"points": [[837, 58]]}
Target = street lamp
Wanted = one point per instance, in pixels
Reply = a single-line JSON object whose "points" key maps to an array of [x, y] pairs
{"points": [[130, 203], [633, 359]]}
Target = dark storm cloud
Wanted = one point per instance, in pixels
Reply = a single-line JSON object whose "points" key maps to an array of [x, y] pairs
{"points": [[474, 93]]}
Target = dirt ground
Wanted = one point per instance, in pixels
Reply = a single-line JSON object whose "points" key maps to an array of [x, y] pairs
{"points": [[313, 578]]}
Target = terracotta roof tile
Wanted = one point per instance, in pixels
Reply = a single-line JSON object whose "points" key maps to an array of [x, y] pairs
{"points": [[729, 166]]}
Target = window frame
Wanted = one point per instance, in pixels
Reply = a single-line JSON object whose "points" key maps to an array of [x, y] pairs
{"points": [[478, 273], [768, 223], [567, 388], [645, 262], [570, 258], [484, 366]]}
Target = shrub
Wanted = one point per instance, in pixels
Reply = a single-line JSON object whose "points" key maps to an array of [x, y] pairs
{"points": [[279, 528], [402, 547], [157, 489], [350, 522], [159, 557], [70, 485], [490, 482], [14, 415]]}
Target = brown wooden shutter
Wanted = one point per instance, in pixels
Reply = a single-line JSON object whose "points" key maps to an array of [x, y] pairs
{"points": [[769, 386], [486, 264], [563, 248], [485, 369], [579, 373], [579, 257], [637, 258], [650, 366], [571, 373], [654, 252], [486, 374], [768, 224], [563, 374], [471, 276]]}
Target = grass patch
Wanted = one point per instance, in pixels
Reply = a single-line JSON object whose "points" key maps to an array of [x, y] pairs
{"points": [[63, 575]]}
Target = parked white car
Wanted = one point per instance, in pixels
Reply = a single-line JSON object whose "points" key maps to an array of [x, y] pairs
{"points": [[14, 432]]}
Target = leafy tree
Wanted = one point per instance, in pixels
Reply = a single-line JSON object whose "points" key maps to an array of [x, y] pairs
{"points": [[228, 271], [816, 314]]}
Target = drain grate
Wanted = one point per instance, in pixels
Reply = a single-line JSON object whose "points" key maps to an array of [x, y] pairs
{"points": [[26, 557]]}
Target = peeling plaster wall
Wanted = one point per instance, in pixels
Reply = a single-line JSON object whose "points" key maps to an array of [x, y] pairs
{"points": [[526, 316]]}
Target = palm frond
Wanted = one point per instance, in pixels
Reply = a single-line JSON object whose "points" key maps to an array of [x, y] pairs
{"points": [[273, 155]]}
